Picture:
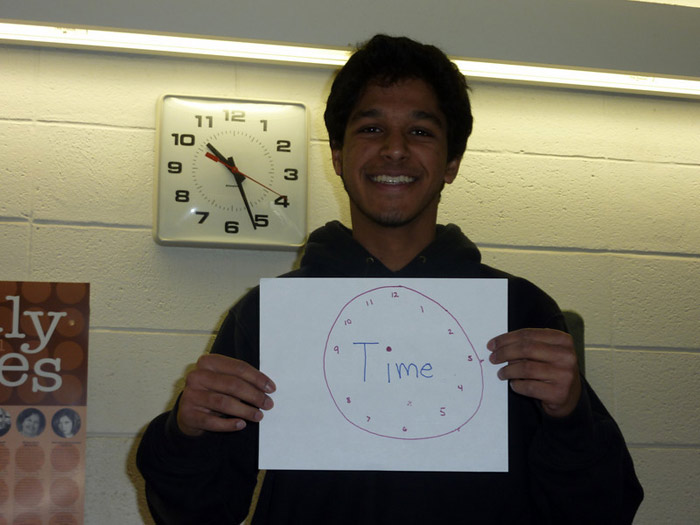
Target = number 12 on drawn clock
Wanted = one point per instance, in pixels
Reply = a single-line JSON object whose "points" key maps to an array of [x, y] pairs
{"points": [[399, 365], [231, 173]]}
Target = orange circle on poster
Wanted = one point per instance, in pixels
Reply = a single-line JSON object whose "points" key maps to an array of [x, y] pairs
{"points": [[36, 292], [71, 325], [63, 518], [5, 393], [4, 492], [8, 288], [27, 518], [25, 391], [30, 458], [71, 293], [70, 353], [4, 457], [64, 492], [65, 458], [29, 492], [71, 390]]}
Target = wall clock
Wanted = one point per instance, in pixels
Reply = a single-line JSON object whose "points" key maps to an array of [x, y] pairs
{"points": [[230, 173]]}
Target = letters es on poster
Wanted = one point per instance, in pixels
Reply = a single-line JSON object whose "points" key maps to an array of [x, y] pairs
{"points": [[15, 368]]}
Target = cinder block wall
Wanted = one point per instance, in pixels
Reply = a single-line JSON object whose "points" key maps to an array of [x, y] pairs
{"points": [[594, 196]]}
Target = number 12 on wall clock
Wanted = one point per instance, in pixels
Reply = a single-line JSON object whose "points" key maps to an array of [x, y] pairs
{"points": [[231, 173]]}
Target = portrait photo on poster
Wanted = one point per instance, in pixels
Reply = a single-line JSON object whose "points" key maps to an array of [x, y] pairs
{"points": [[66, 423]]}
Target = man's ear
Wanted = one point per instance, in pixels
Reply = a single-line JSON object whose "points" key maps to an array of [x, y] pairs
{"points": [[337, 157], [452, 169]]}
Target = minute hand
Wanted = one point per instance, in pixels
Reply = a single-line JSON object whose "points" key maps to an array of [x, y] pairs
{"points": [[231, 166]]}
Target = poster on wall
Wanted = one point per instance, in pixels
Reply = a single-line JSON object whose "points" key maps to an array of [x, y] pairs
{"points": [[43, 401]]}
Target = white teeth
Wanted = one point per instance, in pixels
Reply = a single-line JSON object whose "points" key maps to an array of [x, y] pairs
{"points": [[388, 179]]}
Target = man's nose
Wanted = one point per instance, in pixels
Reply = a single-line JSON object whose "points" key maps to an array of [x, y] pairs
{"points": [[395, 146]]}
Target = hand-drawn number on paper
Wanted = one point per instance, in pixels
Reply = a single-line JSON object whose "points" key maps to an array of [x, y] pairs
{"points": [[399, 365]]}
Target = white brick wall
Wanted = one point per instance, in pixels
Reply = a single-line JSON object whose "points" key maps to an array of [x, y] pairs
{"points": [[593, 196]]}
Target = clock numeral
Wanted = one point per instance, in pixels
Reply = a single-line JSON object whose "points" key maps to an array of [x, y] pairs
{"points": [[291, 174], [285, 146], [209, 119], [183, 140], [234, 116], [231, 227], [174, 167], [204, 215], [182, 196], [282, 200], [264, 124], [262, 221]]}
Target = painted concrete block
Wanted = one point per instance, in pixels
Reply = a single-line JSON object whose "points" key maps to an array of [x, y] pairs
{"points": [[18, 74], [670, 477], [19, 157], [656, 396], [589, 124], [655, 302], [134, 376], [114, 490], [94, 175], [590, 204], [577, 281], [14, 254]]}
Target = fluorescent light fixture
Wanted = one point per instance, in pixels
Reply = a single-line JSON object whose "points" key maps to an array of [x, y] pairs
{"points": [[683, 3], [109, 40]]}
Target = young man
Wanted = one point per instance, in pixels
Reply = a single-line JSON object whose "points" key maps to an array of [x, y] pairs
{"points": [[398, 118]]}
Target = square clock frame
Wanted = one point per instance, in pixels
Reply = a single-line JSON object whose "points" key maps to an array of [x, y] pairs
{"points": [[231, 173]]}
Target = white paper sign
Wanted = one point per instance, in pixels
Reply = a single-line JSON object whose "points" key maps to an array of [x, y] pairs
{"points": [[383, 374]]}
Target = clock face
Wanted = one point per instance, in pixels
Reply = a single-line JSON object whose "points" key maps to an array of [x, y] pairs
{"points": [[231, 172], [397, 364]]}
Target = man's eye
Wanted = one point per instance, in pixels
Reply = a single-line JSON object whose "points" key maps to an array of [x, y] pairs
{"points": [[369, 129], [422, 132]]}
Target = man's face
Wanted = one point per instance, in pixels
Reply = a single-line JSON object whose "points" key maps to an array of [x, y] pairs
{"points": [[394, 158]]}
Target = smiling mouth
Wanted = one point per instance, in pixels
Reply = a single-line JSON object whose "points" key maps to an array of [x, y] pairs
{"points": [[390, 179]]}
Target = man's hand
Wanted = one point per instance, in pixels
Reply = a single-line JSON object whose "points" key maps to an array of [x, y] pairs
{"points": [[541, 364], [220, 394]]}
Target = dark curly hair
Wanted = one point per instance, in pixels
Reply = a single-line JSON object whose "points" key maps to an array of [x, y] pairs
{"points": [[386, 60]]}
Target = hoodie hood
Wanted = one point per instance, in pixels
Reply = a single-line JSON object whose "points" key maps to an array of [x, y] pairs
{"points": [[331, 251]]}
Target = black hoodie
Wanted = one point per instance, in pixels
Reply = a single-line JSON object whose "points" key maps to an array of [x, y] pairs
{"points": [[571, 470]]}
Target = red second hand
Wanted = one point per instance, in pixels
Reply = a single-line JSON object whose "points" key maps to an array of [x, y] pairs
{"points": [[236, 170]]}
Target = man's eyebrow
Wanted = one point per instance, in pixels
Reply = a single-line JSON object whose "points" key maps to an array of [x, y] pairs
{"points": [[427, 115], [367, 113], [418, 114]]}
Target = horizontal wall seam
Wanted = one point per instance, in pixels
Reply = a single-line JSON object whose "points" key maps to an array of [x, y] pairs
{"points": [[659, 349], [665, 446], [90, 225], [582, 250], [148, 331], [599, 158], [18, 221]]}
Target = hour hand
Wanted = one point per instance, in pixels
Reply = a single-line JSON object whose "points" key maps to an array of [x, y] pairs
{"points": [[231, 166]]}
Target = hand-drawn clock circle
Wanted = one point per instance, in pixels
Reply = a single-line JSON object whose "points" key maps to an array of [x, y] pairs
{"points": [[399, 365]]}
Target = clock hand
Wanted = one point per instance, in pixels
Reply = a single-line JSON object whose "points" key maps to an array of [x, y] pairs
{"points": [[233, 169], [239, 183], [231, 165]]}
